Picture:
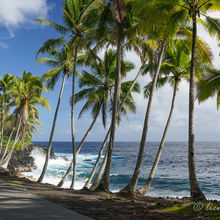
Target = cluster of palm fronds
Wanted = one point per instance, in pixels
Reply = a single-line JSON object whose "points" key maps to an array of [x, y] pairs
{"points": [[19, 95]]}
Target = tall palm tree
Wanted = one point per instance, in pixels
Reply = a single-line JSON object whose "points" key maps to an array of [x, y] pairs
{"points": [[143, 58], [99, 87], [27, 93], [62, 66], [194, 9], [6, 84], [119, 14], [175, 68], [78, 25], [153, 28]]}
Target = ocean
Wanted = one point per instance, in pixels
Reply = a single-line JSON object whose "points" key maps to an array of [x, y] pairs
{"points": [[171, 178]]}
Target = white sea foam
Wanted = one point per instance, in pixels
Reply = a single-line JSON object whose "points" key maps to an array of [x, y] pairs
{"points": [[57, 167]]}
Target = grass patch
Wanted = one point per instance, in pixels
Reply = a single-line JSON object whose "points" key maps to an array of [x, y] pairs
{"points": [[110, 197], [205, 208], [15, 182]]}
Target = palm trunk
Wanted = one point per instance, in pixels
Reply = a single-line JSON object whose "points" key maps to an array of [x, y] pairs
{"points": [[129, 189], [52, 132], [196, 193], [8, 157], [97, 160], [8, 142], [78, 150], [6, 160], [144, 189], [104, 184], [100, 172], [95, 184], [72, 121], [2, 121]]}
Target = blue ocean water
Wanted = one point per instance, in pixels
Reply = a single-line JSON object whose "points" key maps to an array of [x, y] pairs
{"points": [[171, 178]]}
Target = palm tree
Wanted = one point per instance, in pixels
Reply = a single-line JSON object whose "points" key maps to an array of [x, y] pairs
{"points": [[26, 93], [78, 25], [102, 167], [99, 86], [194, 9], [119, 15], [6, 85], [62, 65], [160, 32], [175, 67]]}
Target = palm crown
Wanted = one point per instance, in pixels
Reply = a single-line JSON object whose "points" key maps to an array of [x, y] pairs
{"points": [[100, 84]]}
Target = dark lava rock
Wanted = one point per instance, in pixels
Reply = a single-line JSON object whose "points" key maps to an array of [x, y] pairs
{"points": [[22, 158]]}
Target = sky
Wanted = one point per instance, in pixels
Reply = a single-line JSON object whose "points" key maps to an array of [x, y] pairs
{"points": [[20, 39]]}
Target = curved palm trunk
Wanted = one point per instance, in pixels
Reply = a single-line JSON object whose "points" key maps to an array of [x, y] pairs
{"points": [[98, 177], [100, 172], [72, 121], [8, 142], [144, 189], [129, 189], [6, 160], [196, 193], [2, 122], [78, 150], [106, 137], [97, 160], [104, 184], [52, 132]]}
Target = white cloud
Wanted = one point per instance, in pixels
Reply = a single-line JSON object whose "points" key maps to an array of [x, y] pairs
{"points": [[17, 12], [14, 13], [3, 45]]}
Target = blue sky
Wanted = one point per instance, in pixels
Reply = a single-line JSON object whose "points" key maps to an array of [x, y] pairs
{"points": [[21, 37]]}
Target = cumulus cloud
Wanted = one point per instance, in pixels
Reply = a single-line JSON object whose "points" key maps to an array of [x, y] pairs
{"points": [[14, 12]]}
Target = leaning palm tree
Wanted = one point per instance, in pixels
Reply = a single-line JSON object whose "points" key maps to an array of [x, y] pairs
{"points": [[193, 9], [27, 93], [79, 31], [62, 66], [99, 87], [142, 48], [118, 9], [160, 31], [175, 68], [6, 84]]}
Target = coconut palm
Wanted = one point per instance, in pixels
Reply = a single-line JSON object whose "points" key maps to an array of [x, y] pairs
{"points": [[175, 68], [62, 66], [27, 94], [160, 32], [184, 10], [78, 30], [6, 84], [99, 86]]}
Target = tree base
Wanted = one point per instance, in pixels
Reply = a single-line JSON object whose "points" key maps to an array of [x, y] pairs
{"points": [[102, 188], [197, 196]]}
